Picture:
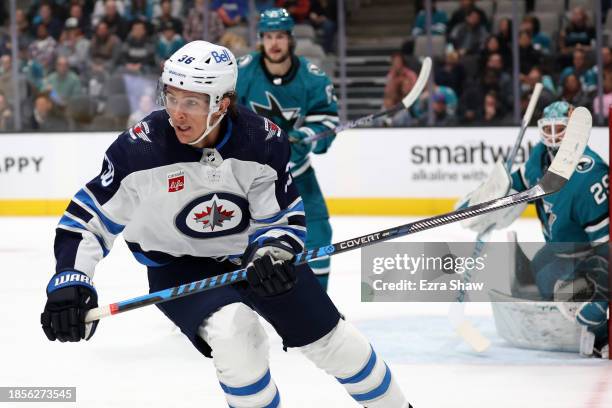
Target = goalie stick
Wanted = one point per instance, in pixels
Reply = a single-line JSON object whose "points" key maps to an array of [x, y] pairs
{"points": [[456, 313], [406, 103], [556, 176]]}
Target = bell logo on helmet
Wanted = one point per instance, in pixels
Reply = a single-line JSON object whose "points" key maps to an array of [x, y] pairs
{"points": [[223, 56]]}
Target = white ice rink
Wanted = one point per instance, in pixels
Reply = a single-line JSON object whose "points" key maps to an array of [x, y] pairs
{"points": [[138, 359]]}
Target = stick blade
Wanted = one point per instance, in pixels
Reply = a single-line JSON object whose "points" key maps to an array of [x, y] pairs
{"points": [[419, 85], [472, 336], [573, 144]]}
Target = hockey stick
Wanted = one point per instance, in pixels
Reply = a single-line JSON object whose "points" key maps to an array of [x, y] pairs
{"points": [[556, 176], [406, 103], [456, 313]]}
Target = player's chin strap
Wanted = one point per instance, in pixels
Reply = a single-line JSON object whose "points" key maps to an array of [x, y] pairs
{"points": [[209, 128]]}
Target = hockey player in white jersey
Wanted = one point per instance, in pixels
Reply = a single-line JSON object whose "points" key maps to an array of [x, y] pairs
{"points": [[196, 189]]}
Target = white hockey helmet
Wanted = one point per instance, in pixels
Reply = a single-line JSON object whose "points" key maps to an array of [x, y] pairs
{"points": [[205, 68]]}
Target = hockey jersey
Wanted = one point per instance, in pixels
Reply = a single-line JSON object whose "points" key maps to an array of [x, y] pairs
{"points": [[170, 199], [577, 213], [303, 99]]}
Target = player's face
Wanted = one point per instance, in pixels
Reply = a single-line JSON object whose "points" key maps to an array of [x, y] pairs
{"points": [[552, 131], [276, 46], [188, 112]]}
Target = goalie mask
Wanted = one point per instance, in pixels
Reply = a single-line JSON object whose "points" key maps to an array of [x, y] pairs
{"points": [[553, 123], [203, 68]]}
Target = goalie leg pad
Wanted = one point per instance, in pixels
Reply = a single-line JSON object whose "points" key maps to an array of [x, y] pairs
{"points": [[347, 355], [240, 355]]}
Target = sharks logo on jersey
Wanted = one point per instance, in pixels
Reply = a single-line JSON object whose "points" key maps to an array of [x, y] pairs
{"points": [[214, 215], [585, 164], [284, 117]]}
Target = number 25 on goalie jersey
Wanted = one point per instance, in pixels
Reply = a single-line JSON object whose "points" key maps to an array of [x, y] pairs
{"points": [[577, 213], [171, 200]]}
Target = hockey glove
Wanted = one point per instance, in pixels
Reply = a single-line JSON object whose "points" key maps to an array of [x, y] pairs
{"points": [[269, 265], [70, 295], [298, 149]]}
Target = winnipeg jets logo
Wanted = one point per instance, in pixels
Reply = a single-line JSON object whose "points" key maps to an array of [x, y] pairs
{"points": [[551, 217], [140, 130], [213, 216], [284, 117], [108, 172]]}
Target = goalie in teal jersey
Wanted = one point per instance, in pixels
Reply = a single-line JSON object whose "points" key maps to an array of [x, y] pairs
{"points": [[573, 265], [297, 96]]}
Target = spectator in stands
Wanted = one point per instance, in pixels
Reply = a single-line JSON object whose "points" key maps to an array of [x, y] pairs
{"points": [[493, 112], [100, 10], [535, 76], [32, 70], [46, 116], [529, 56], [43, 49], [45, 16], [298, 9], [116, 24], [138, 51], [420, 108], [146, 105], [194, 27], [460, 15], [579, 67], [105, 48], [607, 96], [572, 92], [6, 77], [83, 22], [62, 84], [324, 16], [168, 43], [6, 115], [502, 81], [442, 115], [468, 37], [166, 16], [541, 41], [231, 12], [24, 31], [5, 43], [400, 79], [492, 79], [74, 46], [451, 73], [504, 36], [492, 46], [578, 34], [141, 10], [439, 20]]}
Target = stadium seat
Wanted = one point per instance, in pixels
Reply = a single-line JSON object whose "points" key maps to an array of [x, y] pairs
{"points": [[547, 6], [438, 46], [505, 7], [304, 31], [550, 22], [587, 4], [310, 50]]}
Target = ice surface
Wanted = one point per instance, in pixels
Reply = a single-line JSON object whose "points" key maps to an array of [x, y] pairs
{"points": [[138, 359]]}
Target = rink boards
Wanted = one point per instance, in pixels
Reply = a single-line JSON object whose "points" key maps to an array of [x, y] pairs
{"points": [[407, 171]]}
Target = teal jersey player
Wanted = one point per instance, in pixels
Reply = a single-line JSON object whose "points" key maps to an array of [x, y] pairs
{"points": [[575, 222], [297, 96]]}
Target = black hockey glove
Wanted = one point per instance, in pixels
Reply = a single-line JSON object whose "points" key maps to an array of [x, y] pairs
{"points": [[270, 269], [70, 295]]}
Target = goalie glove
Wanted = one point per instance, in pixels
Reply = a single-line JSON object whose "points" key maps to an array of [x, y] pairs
{"points": [[269, 266], [496, 186]]}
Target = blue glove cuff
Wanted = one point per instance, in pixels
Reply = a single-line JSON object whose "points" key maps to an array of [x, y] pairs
{"points": [[69, 278]]}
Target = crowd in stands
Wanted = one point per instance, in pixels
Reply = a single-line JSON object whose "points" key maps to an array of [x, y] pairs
{"points": [[473, 74], [94, 64]]}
